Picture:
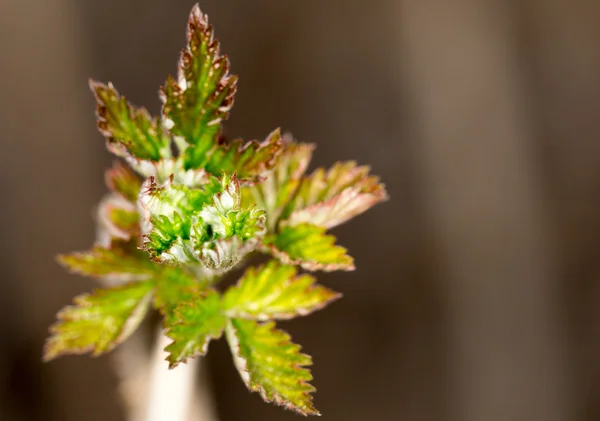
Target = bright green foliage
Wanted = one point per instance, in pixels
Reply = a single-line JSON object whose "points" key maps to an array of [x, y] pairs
{"points": [[196, 322], [271, 364], [128, 131], [273, 291], [308, 246], [173, 286], [175, 222], [100, 321]]}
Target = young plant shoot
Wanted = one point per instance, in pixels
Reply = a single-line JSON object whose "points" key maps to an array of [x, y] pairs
{"points": [[185, 207]]}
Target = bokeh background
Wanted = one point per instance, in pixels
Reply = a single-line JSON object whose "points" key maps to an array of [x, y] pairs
{"points": [[477, 294]]}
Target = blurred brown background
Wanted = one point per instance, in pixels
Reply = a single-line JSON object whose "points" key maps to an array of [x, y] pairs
{"points": [[477, 294]]}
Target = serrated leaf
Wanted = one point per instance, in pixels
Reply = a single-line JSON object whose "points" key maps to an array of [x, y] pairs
{"points": [[273, 291], [129, 131], [121, 179], [251, 160], [120, 262], [330, 198], [308, 246], [197, 322], [99, 321], [270, 364], [274, 193], [173, 286], [197, 103]]}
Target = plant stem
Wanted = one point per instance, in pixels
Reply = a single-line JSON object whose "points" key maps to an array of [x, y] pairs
{"points": [[182, 394]]}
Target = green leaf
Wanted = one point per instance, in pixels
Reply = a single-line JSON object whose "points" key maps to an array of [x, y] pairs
{"points": [[196, 323], [173, 286], [120, 262], [269, 363], [118, 218], [164, 235], [330, 198], [251, 161], [277, 189], [197, 103], [121, 179], [129, 131], [99, 321], [308, 246], [273, 291]]}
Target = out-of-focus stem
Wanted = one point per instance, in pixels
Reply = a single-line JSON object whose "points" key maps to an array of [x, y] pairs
{"points": [[152, 392], [179, 394]]}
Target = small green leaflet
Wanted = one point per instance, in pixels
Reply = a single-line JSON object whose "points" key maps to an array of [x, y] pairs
{"points": [[273, 291], [196, 322], [129, 131], [197, 103], [330, 198], [274, 193], [251, 160], [99, 321], [308, 246], [269, 363]]}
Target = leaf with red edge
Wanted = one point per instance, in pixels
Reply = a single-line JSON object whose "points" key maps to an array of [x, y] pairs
{"points": [[251, 161], [274, 193], [330, 198], [271, 364], [274, 292], [196, 322], [195, 105], [309, 247], [100, 321], [129, 131]]}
